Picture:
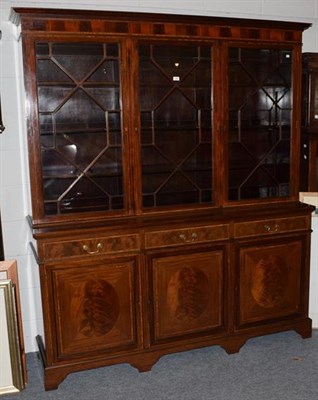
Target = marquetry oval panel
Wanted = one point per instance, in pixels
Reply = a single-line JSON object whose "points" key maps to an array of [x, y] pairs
{"points": [[188, 293], [270, 279], [94, 306], [100, 308]]}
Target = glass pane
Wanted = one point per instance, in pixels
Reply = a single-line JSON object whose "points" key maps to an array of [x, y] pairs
{"points": [[80, 121], [260, 97], [176, 129]]}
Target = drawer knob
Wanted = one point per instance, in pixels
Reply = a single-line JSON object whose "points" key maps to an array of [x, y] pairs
{"points": [[188, 238], [99, 247], [271, 228]]}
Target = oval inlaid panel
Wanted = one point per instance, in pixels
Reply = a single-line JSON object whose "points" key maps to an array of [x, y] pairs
{"points": [[100, 308], [270, 281], [188, 294]]}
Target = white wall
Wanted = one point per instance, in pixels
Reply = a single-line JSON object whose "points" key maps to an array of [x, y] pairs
{"points": [[14, 194]]}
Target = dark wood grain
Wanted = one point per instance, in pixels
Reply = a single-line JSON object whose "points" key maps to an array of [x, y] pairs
{"points": [[143, 249]]}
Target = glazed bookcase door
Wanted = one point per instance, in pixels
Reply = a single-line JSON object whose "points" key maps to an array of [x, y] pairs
{"points": [[309, 156], [313, 100], [270, 281], [175, 99], [188, 294], [80, 124], [260, 106], [95, 306]]}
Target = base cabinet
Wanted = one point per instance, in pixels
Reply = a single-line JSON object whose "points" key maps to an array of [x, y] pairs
{"points": [[170, 290]]}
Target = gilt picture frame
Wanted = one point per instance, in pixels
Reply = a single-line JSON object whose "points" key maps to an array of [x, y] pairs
{"points": [[9, 270], [11, 371]]}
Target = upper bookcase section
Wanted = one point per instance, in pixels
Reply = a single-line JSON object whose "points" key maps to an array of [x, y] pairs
{"points": [[141, 114]]}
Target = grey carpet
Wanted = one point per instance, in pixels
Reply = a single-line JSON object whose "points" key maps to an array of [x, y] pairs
{"points": [[275, 367]]}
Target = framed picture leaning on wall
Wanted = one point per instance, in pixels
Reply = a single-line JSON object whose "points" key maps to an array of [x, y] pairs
{"points": [[11, 376]]}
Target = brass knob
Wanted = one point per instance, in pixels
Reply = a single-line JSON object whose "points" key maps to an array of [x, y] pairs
{"points": [[271, 228], [188, 238]]}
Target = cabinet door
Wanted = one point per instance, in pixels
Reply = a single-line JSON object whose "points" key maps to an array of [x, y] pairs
{"points": [[94, 306], [270, 281], [188, 294], [175, 104], [260, 123], [80, 137]]}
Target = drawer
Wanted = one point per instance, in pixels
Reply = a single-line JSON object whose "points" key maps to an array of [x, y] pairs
{"points": [[198, 234], [90, 246], [271, 226]]}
